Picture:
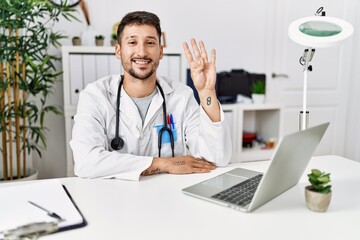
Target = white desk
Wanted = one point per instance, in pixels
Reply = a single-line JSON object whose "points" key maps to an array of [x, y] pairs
{"points": [[155, 208]]}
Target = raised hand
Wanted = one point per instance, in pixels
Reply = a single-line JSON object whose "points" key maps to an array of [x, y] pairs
{"points": [[203, 74], [203, 71]]}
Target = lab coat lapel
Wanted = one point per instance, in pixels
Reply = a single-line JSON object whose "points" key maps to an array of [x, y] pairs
{"points": [[154, 107], [112, 89]]}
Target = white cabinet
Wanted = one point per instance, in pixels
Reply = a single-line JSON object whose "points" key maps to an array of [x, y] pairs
{"points": [[262, 119], [83, 65]]}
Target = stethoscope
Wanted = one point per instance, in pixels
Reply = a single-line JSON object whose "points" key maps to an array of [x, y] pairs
{"points": [[117, 143]]}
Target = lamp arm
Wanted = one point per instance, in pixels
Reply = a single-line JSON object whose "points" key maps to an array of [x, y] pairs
{"points": [[305, 59]]}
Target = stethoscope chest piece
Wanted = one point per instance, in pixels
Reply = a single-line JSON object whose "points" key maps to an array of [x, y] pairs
{"points": [[117, 143]]}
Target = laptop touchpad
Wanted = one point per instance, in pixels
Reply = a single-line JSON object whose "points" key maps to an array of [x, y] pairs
{"points": [[224, 181]]}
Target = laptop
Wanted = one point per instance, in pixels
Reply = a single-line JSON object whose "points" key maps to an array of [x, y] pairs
{"points": [[246, 190]]}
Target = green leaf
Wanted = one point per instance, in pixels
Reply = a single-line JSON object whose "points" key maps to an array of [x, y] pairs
{"points": [[69, 17], [324, 179], [258, 87], [319, 180], [316, 172], [326, 189]]}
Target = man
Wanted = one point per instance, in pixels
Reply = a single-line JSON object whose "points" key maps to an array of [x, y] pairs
{"points": [[134, 147]]}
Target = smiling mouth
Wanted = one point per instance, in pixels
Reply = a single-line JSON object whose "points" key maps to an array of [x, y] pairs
{"points": [[141, 62]]}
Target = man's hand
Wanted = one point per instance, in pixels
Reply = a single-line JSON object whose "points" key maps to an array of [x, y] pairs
{"points": [[203, 74], [188, 164], [179, 165]]}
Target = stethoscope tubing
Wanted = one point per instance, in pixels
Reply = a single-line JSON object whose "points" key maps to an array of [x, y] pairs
{"points": [[117, 143], [165, 128]]}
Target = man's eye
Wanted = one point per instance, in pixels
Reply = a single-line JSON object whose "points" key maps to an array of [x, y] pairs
{"points": [[132, 43], [151, 43]]}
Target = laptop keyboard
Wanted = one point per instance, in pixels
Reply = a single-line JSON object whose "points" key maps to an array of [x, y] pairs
{"points": [[240, 194]]}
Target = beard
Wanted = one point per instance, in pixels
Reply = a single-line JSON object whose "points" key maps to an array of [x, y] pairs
{"points": [[141, 75]]}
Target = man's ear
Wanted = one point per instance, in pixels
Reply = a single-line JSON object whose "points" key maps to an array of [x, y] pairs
{"points": [[118, 51], [161, 52]]}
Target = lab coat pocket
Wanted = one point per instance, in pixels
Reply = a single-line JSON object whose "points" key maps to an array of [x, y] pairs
{"points": [[165, 134], [165, 140]]}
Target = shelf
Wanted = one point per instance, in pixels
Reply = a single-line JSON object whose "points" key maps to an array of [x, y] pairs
{"points": [[256, 153], [262, 119]]}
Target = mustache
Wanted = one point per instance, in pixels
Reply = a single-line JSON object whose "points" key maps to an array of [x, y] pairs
{"points": [[141, 58]]}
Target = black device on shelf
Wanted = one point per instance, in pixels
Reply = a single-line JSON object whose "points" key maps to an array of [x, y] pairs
{"points": [[237, 81], [230, 84]]}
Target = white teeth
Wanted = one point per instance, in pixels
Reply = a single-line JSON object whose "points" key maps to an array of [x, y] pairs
{"points": [[141, 61]]}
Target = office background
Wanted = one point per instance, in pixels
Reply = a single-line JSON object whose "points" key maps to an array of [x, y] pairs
{"points": [[249, 35]]}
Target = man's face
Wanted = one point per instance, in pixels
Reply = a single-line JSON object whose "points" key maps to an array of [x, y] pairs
{"points": [[139, 51]]}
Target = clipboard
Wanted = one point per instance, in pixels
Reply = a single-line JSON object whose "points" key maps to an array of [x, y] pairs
{"points": [[81, 224], [19, 217]]}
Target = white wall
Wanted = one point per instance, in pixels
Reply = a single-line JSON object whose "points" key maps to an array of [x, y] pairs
{"points": [[219, 23], [352, 149]]}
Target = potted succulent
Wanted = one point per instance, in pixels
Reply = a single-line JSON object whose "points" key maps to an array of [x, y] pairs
{"points": [[258, 91], [99, 40], [114, 40], [27, 77], [318, 194], [76, 41]]}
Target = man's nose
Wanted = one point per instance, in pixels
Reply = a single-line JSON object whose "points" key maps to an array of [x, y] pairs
{"points": [[141, 50]]}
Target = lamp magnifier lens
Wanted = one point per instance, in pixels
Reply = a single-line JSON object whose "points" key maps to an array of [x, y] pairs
{"points": [[320, 29]]}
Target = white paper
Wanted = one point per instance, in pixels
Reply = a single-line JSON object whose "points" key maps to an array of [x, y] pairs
{"points": [[15, 210]]}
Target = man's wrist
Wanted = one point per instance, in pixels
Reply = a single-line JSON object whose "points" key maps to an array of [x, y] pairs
{"points": [[206, 93], [156, 167], [210, 104]]}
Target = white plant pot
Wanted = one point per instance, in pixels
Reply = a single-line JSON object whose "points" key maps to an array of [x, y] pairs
{"points": [[258, 98], [315, 201], [31, 174]]}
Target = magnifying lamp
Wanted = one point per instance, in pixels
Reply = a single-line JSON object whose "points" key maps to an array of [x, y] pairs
{"points": [[316, 32]]}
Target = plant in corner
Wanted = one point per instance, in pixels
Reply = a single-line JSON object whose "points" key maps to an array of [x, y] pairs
{"points": [[258, 91], [27, 77], [318, 194]]}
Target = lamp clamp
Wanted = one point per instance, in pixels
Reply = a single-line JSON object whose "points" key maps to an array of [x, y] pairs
{"points": [[320, 12], [306, 58]]}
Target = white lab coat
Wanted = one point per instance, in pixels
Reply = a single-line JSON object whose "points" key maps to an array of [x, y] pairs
{"points": [[95, 122]]}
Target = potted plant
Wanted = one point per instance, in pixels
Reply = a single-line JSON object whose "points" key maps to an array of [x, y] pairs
{"points": [[318, 194], [27, 76], [99, 40], [76, 41], [114, 40], [258, 91]]}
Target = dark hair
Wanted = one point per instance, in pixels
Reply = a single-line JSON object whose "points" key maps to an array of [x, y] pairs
{"points": [[139, 18]]}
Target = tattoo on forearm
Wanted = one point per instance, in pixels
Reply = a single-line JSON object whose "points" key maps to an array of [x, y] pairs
{"points": [[179, 163], [208, 101], [150, 172]]}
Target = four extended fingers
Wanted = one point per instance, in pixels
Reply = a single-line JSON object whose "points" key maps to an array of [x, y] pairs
{"points": [[199, 54]]}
